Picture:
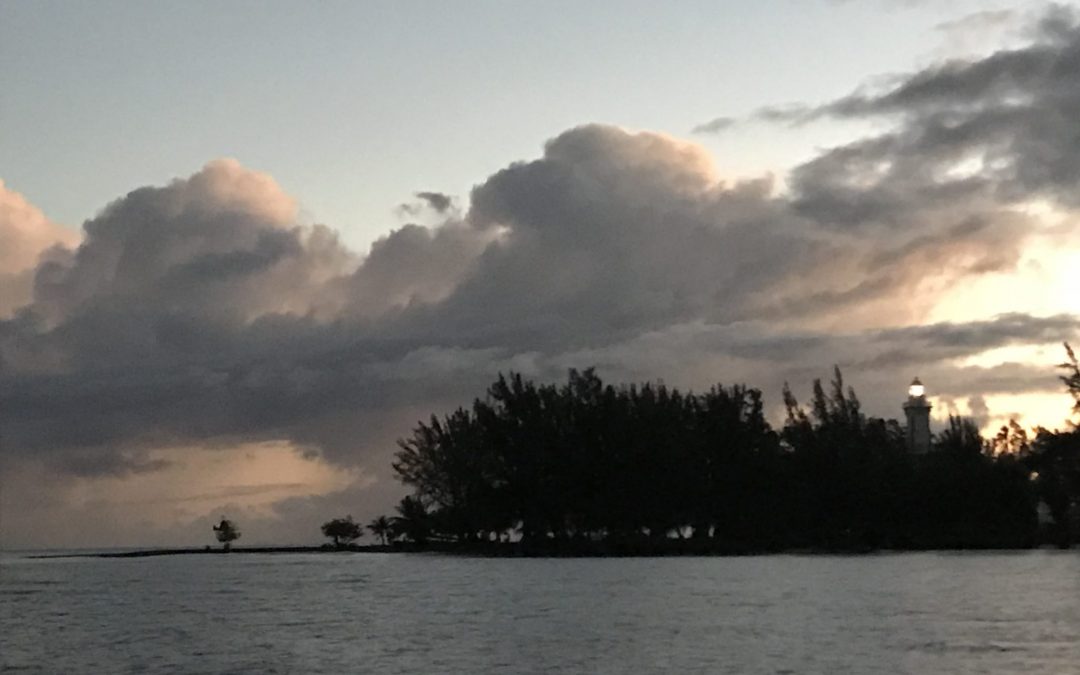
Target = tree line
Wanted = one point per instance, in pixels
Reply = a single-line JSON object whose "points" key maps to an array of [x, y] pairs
{"points": [[591, 466], [343, 532]]}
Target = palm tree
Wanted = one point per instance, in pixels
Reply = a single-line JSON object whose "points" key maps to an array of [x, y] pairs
{"points": [[381, 527]]}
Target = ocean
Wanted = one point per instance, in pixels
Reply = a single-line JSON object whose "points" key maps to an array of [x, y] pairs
{"points": [[419, 613]]}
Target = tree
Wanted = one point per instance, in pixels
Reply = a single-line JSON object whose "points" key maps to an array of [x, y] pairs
{"points": [[566, 466], [1055, 462], [226, 532], [1011, 439], [449, 464], [961, 438], [413, 521], [381, 527], [343, 531], [1072, 376]]}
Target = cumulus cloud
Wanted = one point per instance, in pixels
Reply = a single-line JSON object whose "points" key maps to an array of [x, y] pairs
{"points": [[25, 236], [415, 265], [222, 243], [199, 311]]}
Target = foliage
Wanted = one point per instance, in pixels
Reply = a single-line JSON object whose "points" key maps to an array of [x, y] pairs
{"points": [[1055, 464], [343, 531], [226, 532], [413, 521], [590, 462], [382, 528], [1054, 461], [1011, 439], [1071, 378], [961, 438]]}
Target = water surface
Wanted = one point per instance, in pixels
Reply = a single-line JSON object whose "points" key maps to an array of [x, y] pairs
{"points": [[304, 613]]}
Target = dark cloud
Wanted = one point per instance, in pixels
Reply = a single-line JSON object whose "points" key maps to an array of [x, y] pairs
{"points": [[940, 341], [790, 113], [1008, 114], [414, 266], [99, 462], [197, 313], [715, 125], [979, 411], [437, 202]]}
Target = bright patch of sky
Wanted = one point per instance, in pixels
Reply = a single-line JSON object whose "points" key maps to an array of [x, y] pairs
{"points": [[1045, 282]]}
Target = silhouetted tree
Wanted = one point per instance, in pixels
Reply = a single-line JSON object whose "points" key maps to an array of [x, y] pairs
{"points": [[1011, 439], [226, 532], [343, 531], [638, 465], [848, 471], [413, 520], [960, 438], [1054, 460], [382, 528], [977, 493], [452, 470], [1071, 378]]}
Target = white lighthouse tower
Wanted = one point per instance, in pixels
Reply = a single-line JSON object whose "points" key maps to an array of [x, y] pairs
{"points": [[917, 409]]}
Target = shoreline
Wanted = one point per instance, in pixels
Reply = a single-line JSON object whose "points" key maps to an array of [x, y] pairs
{"points": [[548, 549], [265, 550]]}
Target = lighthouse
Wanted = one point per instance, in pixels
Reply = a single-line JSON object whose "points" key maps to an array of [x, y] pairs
{"points": [[917, 410]]}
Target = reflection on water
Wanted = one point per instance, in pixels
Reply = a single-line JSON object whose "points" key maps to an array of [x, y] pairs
{"points": [[906, 613]]}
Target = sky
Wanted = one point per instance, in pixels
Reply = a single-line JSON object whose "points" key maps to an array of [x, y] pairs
{"points": [[244, 247]]}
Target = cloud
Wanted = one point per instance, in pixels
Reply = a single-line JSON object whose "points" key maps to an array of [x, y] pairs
{"points": [[414, 265], [200, 313], [715, 126], [978, 23], [791, 113], [25, 236], [437, 202], [1007, 116], [980, 411], [222, 243]]}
